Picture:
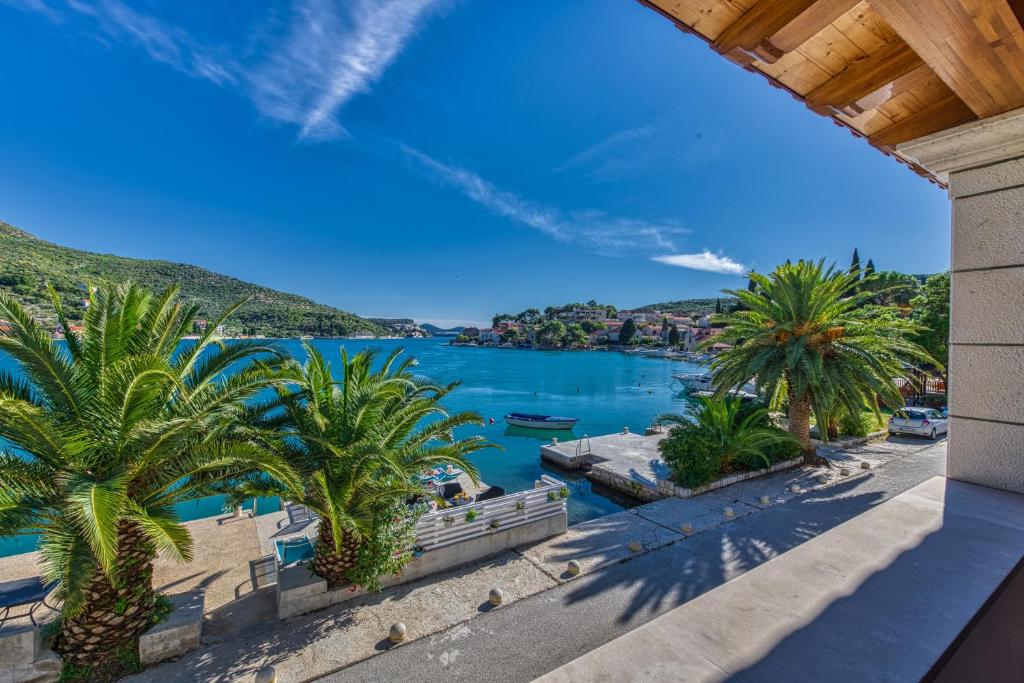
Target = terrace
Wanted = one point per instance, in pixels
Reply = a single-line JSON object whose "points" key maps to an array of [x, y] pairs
{"points": [[928, 583], [910, 572]]}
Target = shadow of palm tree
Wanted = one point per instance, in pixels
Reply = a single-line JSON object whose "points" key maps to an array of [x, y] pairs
{"points": [[690, 566]]}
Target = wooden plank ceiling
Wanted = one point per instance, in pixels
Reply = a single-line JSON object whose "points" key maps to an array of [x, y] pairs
{"points": [[889, 70]]}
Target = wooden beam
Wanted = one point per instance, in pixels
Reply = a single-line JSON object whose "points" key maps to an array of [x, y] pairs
{"points": [[762, 20], [948, 112], [919, 76], [864, 77], [808, 24], [975, 46]]}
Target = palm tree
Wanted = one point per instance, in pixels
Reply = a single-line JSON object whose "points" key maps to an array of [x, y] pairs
{"points": [[742, 435], [360, 444], [105, 434], [808, 338]]}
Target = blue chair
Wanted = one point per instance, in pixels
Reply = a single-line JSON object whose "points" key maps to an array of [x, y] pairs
{"points": [[32, 591], [293, 550]]}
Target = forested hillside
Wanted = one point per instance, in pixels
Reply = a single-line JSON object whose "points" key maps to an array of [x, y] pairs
{"points": [[27, 263]]}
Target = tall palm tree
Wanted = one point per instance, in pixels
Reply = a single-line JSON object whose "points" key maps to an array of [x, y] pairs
{"points": [[108, 431], [808, 337], [359, 444]]}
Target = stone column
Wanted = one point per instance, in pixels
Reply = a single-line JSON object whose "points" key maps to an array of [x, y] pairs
{"points": [[983, 162]]}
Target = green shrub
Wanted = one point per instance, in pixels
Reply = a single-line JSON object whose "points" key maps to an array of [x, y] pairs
{"points": [[783, 450], [693, 454]]}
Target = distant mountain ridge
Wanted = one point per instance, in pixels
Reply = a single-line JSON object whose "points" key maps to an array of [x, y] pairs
{"points": [[27, 263]]}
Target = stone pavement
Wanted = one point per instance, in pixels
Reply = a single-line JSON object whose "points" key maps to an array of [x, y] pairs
{"points": [[540, 633], [316, 644], [242, 632]]}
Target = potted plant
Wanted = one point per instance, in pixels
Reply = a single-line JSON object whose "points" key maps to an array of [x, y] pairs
{"points": [[470, 515], [520, 505]]}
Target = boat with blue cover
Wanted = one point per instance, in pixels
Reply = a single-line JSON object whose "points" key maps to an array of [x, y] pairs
{"points": [[540, 421]]}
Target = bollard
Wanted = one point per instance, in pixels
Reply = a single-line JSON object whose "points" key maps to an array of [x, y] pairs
{"points": [[574, 567], [397, 633], [865, 465], [496, 597], [635, 546], [267, 674], [795, 488], [728, 512], [765, 500], [686, 528]]}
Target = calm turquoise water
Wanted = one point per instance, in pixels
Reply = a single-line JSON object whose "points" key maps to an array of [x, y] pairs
{"points": [[605, 390]]}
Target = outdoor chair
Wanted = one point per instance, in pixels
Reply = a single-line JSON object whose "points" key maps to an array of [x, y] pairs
{"points": [[448, 491], [292, 550], [492, 492], [32, 591]]}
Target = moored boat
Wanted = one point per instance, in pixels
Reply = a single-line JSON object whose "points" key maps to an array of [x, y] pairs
{"points": [[532, 421]]}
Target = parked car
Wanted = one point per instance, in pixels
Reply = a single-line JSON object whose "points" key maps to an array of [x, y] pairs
{"points": [[919, 421]]}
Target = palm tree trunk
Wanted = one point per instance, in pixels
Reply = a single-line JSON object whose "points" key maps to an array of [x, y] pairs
{"points": [[331, 562], [115, 612], [800, 425]]}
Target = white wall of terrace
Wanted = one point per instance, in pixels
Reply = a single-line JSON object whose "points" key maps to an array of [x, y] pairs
{"points": [[984, 164]]}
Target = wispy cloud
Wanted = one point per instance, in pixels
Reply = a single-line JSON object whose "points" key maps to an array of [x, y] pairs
{"points": [[705, 260], [639, 151], [604, 159], [329, 52], [332, 52], [595, 230]]}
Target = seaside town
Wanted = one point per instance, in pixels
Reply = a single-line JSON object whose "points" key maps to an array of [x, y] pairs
{"points": [[290, 391], [591, 326]]}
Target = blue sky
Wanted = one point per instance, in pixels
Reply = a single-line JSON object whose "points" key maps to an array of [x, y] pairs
{"points": [[436, 159]]}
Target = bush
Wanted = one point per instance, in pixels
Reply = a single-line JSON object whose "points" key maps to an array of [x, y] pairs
{"points": [[693, 455], [783, 450], [860, 424]]}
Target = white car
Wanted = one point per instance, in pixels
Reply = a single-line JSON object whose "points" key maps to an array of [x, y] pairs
{"points": [[919, 421]]}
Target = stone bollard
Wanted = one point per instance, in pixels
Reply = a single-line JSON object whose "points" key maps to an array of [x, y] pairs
{"points": [[267, 674], [795, 488], [554, 441], [822, 479], [729, 512], [496, 597], [397, 633], [843, 472], [865, 465], [766, 500], [686, 528], [636, 546], [574, 567], [625, 430]]}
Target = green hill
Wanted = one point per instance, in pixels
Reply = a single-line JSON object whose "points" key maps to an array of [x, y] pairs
{"points": [[685, 306], [27, 263]]}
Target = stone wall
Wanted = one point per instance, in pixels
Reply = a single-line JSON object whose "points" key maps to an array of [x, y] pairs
{"points": [[984, 162], [23, 659], [300, 591], [180, 633]]}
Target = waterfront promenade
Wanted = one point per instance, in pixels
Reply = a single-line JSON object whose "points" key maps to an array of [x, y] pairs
{"points": [[447, 614]]}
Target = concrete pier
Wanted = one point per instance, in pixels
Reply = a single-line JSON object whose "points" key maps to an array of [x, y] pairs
{"points": [[625, 461]]}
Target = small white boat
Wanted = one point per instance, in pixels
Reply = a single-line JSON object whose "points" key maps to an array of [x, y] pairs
{"points": [[531, 421], [694, 381]]}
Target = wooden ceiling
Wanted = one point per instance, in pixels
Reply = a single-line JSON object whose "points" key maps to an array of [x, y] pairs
{"points": [[889, 70]]}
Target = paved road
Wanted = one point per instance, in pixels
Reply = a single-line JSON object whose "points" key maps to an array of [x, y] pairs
{"points": [[538, 634]]}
